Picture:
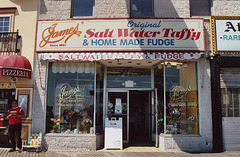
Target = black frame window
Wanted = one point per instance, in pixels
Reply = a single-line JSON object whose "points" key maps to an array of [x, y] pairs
{"points": [[5, 23], [82, 7], [200, 7], [142, 8]]}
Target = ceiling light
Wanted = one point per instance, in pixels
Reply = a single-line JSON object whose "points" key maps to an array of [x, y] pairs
{"points": [[168, 65], [185, 65], [178, 66], [159, 66]]}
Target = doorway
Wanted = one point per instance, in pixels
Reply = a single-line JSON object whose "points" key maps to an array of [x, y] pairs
{"points": [[137, 113], [140, 119], [6, 98]]}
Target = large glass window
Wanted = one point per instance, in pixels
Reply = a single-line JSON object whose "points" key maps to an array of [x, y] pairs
{"points": [[128, 77], [181, 98], [200, 8], [82, 7], [70, 98], [230, 92], [142, 8], [5, 22]]}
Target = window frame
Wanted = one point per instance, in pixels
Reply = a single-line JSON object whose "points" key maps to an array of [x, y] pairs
{"points": [[9, 12], [72, 10], [142, 16], [210, 9], [190, 120], [10, 23], [59, 116]]}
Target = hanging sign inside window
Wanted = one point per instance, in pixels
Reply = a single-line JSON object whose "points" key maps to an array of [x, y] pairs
{"points": [[178, 93], [68, 96], [120, 35]]}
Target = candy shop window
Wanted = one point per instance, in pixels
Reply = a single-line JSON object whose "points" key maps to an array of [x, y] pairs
{"points": [[70, 98], [181, 98]]}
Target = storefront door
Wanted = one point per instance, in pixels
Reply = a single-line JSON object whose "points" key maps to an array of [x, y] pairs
{"points": [[118, 106], [6, 97], [138, 112]]}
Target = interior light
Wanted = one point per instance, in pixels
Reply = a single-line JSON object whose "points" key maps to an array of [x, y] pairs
{"points": [[185, 65], [168, 65], [178, 66]]}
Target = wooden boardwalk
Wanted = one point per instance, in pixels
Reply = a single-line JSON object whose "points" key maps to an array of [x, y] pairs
{"points": [[109, 153]]}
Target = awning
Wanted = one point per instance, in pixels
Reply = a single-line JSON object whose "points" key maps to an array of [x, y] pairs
{"points": [[117, 55], [15, 66]]}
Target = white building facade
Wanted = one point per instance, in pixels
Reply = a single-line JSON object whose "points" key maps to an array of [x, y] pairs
{"points": [[144, 63]]}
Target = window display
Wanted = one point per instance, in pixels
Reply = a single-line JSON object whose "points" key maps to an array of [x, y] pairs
{"points": [[70, 101], [182, 100]]}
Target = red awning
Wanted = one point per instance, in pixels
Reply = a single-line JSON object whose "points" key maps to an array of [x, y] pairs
{"points": [[15, 66]]}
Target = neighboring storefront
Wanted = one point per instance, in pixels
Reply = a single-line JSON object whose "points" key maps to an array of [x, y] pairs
{"points": [[16, 61], [142, 72], [225, 69], [13, 70]]}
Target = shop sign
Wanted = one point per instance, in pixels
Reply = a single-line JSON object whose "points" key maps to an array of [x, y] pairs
{"points": [[113, 56], [120, 35], [13, 72], [228, 35], [7, 85], [178, 93], [70, 96], [225, 32]]}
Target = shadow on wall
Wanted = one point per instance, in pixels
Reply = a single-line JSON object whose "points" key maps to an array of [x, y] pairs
{"points": [[27, 5], [38, 108], [166, 8]]}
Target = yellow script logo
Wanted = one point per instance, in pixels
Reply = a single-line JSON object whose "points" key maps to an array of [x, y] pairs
{"points": [[50, 35]]}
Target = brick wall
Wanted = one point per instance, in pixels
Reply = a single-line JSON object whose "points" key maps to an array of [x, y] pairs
{"points": [[172, 8], [62, 142], [226, 7], [38, 109], [55, 9]]}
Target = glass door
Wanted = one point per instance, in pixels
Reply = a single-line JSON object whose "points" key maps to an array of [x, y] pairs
{"points": [[118, 106]]}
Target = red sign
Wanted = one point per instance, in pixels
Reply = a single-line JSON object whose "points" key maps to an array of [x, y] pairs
{"points": [[15, 72]]}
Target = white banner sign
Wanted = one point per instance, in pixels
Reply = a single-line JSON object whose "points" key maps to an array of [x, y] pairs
{"points": [[120, 35], [228, 35], [113, 56]]}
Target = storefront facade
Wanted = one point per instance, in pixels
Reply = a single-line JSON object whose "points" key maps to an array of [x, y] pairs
{"points": [[150, 73], [16, 62], [225, 76]]}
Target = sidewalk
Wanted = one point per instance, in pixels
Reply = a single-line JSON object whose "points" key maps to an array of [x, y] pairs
{"points": [[112, 153]]}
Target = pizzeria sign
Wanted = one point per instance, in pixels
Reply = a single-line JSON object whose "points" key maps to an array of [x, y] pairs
{"points": [[120, 35]]}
